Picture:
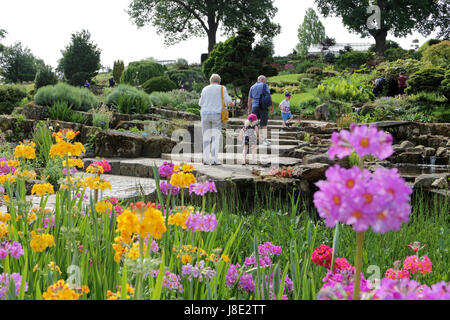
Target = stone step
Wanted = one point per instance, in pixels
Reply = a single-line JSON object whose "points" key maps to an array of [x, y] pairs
{"points": [[281, 150], [233, 158]]}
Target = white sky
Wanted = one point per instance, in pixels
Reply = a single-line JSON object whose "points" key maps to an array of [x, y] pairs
{"points": [[45, 26]]}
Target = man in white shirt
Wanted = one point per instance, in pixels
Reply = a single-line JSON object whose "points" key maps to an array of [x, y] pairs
{"points": [[211, 103]]}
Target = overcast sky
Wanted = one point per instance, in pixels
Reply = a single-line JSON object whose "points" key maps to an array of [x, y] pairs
{"points": [[45, 26]]}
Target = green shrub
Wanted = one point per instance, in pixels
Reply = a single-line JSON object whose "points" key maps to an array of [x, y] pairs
{"points": [[61, 111], [45, 77], [317, 71], [445, 85], [78, 118], [428, 79], [352, 59], [438, 54], [159, 84], [308, 63], [175, 98], [129, 100], [80, 99], [53, 170], [42, 137], [10, 97], [185, 78], [140, 71], [350, 88]]}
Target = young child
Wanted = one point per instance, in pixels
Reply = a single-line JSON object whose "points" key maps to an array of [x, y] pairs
{"points": [[286, 114], [249, 136]]}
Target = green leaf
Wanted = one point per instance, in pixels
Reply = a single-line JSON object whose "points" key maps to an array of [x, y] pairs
{"points": [[159, 282]]}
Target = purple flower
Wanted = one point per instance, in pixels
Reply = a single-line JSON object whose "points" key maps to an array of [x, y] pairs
{"points": [[364, 140], [4, 283], [246, 283], [201, 222], [232, 275], [171, 281], [3, 254], [165, 187], [406, 289], [166, 170]]}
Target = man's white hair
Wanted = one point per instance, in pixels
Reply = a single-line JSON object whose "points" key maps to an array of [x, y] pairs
{"points": [[261, 78], [215, 78]]}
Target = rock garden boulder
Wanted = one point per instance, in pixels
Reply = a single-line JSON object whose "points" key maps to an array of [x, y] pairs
{"points": [[310, 172], [322, 113]]}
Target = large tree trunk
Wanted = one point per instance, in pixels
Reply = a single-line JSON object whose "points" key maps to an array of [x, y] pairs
{"points": [[212, 30], [380, 42]]}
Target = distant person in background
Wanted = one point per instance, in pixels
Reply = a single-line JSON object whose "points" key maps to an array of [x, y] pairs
{"points": [[379, 85], [402, 84], [249, 137], [112, 82], [87, 85]]}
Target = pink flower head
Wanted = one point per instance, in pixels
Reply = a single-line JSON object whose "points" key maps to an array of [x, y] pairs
{"points": [[364, 140], [322, 256], [166, 170]]}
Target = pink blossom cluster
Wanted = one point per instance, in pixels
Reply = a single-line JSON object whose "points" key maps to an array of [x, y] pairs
{"points": [[166, 170], [200, 189], [406, 289], [72, 171], [102, 163], [4, 168], [199, 271], [165, 187], [14, 249], [199, 221], [411, 265], [364, 140], [361, 199], [171, 281], [339, 286], [5, 279], [118, 209]]}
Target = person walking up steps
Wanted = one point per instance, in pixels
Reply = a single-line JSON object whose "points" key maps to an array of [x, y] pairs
{"points": [[259, 101], [286, 115], [248, 136], [211, 102]]}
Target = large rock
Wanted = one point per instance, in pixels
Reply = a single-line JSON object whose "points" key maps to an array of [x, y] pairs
{"points": [[125, 145], [157, 145], [441, 183], [441, 152], [410, 157], [322, 113], [35, 112], [429, 152], [426, 180], [311, 172], [319, 158], [406, 145]]}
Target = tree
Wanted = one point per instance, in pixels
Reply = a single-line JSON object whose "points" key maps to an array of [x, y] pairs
{"points": [[397, 17], [239, 63], [45, 77], [18, 63], [2, 36], [327, 43], [118, 69], [179, 20], [311, 32], [438, 21], [81, 59]]}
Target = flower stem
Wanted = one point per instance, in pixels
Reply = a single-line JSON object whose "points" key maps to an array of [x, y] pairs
{"points": [[358, 264]]}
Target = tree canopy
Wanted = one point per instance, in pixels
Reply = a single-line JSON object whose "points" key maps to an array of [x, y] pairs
{"points": [[179, 20], [81, 59], [399, 18], [18, 64], [311, 31], [238, 62]]}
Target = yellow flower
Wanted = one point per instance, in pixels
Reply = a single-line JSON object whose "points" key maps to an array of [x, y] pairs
{"points": [[42, 189], [36, 267], [225, 258], [5, 217], [31, 217], [182, 180], [7, 178], [143, 222], [103, 207], [29, 174], [6, 198], [25, 150], [12, 163], [60, 291], [85, 289], [3, 230], [40, 242], [74, 163], [186, 259]]}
